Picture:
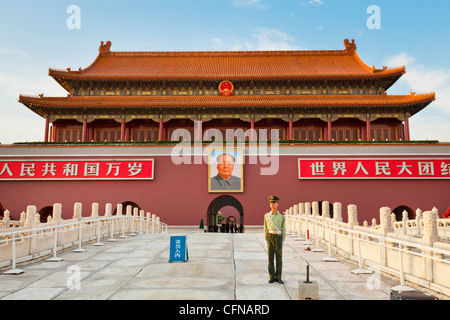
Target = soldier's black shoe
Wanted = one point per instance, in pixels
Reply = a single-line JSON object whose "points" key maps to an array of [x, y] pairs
{"points": [[279, 281], [272, 280]]}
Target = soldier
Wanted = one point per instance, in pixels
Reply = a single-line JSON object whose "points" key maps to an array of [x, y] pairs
{"points": [[274, 235]]}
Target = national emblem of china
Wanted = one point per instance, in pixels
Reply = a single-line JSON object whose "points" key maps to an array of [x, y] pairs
{"points": [[226, 88]]}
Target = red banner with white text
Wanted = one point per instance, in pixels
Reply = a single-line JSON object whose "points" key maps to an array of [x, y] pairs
{"points": [[374, 168], [77, 169]]}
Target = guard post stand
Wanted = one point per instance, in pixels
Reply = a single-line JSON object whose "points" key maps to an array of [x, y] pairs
{"points": [[178, 249], [308, 290]]}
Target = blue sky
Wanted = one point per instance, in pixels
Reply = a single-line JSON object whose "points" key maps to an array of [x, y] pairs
{"points": [[35, 36]]}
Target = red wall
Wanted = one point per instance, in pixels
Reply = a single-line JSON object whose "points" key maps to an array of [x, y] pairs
{"points": [[179, 193]]}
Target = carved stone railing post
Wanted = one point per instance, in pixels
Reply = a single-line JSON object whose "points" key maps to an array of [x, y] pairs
{"points": [[385, 220], [141, 220], [418, 220], [307, 208], [153, 223], [57, 213], [77, 214], [352, 215], [6, 219], [385, 228], [301, 213], [430, 235], [148, 224], [158, 224], [430, 232], [325, 209], [119, 210], [297, 218], [374, 223], [30, 223], [337, 212], [404, 221], [94, 212], [108, 210], [315, 209], [393, 220], [128, 214]]}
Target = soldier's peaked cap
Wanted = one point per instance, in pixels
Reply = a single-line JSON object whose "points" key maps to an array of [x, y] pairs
{"points": [[273, 198]]}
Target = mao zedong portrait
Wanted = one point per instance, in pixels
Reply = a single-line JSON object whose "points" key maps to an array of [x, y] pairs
{"points": [[225, 180]]}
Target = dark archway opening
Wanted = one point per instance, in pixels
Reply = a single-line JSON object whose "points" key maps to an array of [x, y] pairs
{"points": [[44, 213], [124, 207], [230, 223], [399, 212], [330, 209], [2, 211]]}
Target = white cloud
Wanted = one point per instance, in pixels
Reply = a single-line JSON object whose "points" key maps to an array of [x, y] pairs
{"points": [[399, 60], [262, 38], [217, 43], [250, 3], [20, 127], [433, 121], [273, 39], [13, 51], [420, 78], [14, 85], [17, 123], [315, 3], [426, 127]]}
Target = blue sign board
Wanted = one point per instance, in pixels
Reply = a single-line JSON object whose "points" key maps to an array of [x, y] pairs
{"points": [[178, 249]]}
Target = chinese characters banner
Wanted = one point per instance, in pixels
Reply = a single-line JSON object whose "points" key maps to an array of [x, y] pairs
{"points": [[77, 170], [374, 168]]}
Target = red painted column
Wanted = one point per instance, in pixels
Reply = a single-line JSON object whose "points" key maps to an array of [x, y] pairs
{"points": [[368, 135], [329, 129], [291, 128], [51, 133], [400, 131], [84, 132], [252, 128], [198, 134], [161, 129], [122, 129], [407, 137], [47, 124]]}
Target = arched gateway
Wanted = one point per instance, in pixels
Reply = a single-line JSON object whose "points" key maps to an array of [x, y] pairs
{"points": [[217, 204]]}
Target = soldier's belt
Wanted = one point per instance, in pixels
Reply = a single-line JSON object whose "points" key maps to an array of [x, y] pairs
{"points": [[275, 232]]}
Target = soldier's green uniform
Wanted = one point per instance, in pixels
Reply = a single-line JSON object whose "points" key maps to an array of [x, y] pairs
{"points": [[274, 234]]}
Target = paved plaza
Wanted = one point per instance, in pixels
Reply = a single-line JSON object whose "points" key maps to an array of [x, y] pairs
{"points": [[220, 267]]}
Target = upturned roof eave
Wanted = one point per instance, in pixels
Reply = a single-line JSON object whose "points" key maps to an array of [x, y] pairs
{"points": [[47, 105], [96, 71]]}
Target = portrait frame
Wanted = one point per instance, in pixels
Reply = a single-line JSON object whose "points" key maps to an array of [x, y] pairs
{"points": [[235, 183]]}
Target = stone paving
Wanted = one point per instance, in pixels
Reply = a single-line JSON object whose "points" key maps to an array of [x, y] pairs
{"points": [[220, 267]]}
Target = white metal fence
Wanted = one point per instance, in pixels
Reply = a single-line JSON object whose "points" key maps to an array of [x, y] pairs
{"points": [[29, 239], [416, 252]]}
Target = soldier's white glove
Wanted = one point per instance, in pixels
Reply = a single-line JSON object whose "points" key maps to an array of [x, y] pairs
{"points": [[265, 241], [282, 244]]}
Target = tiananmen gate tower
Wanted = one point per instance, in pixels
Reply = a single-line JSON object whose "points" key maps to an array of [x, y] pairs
{"points": [[307, 95], [313, 125]]}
